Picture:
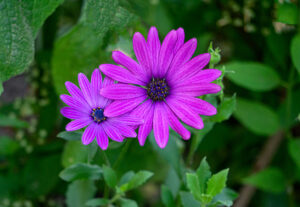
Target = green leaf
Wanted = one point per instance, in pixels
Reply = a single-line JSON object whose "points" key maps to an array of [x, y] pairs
{"points": [[74, 152], [20, 22], [225, 198], [137, 180], [167, 197], [81, 171], [203, 173], [8, 146], [71, 136], [6, 121], [126, 177], [257, 117], [110, 176], [173, 182], [270, 180], [253, 76], [128, 203], [97, 202], [217, 183], [193, 185], [188, 200], [225, 109], [295, 51], [287, 13], [82, 47], [79, 192], [294, 150]]}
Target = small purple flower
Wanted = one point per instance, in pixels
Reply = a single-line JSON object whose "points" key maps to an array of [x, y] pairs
{"points": [[162, 88], [87, 108]]}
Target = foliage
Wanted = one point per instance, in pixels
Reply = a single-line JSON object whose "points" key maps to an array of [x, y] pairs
{"points": [[256, 45]]}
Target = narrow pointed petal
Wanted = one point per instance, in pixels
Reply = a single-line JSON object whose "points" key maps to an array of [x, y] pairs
{"points": [[166, 53], [75, 92], [96, 84], [119, 74], [191, 68], [120, 107], [198, 89], [141, 51], [103, 102], [183, 55], [112, 132], [161, 125], [147, 126], [85, 88], [125, 130], [154, 48], [73, 102], [89, 134], [101, 138], [198, 105], [129, 119], [177, 126], [72, 113], [122, 91], [204, 76], [186, 114], [122, 59], [180, 39], [78, 124]]}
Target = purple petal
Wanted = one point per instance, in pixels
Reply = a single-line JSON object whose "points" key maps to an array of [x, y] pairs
{"points": [[180, 39], [160, 125], [183, 55], [119, 74], [102, 138], [196, 89], [120, 107], [96, 83], [125, 130], [73, 102], [75, 92], [198, 105], [146, 128], [141, 51], [103, 102], [89, 134], [85, 88], [186, 114], [112, 132], [78, 124], [154, 48], [128, 119], [122, 91], [166, 53], [191, 68], [177, 126], [122, 59], [204, 76], [72, 113]]}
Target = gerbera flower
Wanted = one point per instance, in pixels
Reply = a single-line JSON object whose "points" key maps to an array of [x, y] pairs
{"points": [[87, 107], [163, 86]]}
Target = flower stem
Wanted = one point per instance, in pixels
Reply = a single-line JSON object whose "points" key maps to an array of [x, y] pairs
{"points": [[122, 153]]}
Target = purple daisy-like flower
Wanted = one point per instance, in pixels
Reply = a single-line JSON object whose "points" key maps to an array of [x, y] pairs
{"points": [[162, 88], [87, 107]]}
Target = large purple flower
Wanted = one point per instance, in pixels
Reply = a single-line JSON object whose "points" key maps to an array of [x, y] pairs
{"points": [[163, 86], [87, 108]]}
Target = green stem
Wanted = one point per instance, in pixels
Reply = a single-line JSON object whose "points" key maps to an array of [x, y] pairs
{"points": [[106, 188], [122, 153]]}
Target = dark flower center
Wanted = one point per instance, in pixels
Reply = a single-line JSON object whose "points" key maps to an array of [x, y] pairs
{"points": [[97, 115], [157, 89]]}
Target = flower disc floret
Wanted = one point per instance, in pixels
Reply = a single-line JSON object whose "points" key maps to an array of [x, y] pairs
{"points": [[157, 89]]}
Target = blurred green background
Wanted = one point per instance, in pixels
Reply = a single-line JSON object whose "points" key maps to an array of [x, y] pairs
{"points": [[45, 43]]}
